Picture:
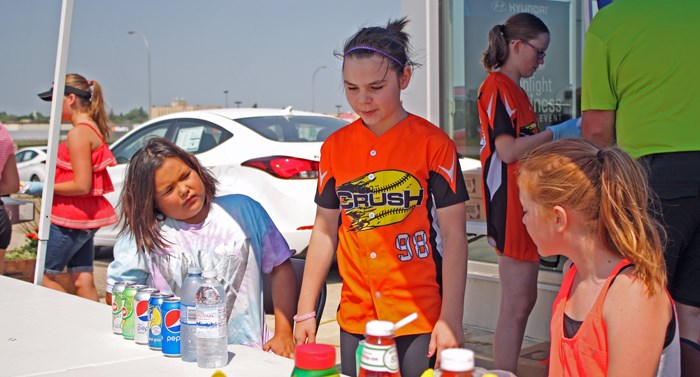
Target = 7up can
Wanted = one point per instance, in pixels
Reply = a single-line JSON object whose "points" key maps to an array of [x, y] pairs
{"points": [[128, 310], [117, 290]]}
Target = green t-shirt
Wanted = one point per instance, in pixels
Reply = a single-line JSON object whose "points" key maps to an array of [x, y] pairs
{"points": [[640, 59]]}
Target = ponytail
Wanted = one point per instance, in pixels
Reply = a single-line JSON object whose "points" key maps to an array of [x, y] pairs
{"points": [[520, 26], [390, 42], [97, 110], [624, 221], [95, 105], [609, 189], [496, 53]]}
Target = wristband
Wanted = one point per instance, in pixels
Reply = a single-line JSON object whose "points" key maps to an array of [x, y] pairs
{"points": [[301, 318]]}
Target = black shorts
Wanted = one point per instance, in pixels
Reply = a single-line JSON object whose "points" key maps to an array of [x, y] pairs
{"points": [[5, 228], [412, 350], [675, 179]]}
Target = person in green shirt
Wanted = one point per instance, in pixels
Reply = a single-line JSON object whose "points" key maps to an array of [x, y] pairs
{"points": [[640, 89]]}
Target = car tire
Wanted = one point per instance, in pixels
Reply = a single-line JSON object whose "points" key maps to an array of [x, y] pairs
{"points": [[35, 178]]}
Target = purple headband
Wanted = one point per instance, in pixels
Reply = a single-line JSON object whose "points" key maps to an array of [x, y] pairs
{"points": [[375, 50]]}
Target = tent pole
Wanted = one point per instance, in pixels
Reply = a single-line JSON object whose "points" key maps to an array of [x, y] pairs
{"points": [[54, 135]]}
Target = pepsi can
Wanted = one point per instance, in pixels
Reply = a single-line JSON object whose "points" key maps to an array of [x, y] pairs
{"points": [[141, 299], [117, 290], [170, 309], [155, 337], [128, 310]]}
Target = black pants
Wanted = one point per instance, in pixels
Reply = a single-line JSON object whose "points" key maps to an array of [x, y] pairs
{"points": [[412, 350], [675, 180], [5, 228]]}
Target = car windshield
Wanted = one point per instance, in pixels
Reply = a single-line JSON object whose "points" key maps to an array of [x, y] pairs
{"points": [[300, 129]]}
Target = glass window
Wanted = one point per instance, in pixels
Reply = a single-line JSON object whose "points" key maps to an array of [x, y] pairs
{"points": [[27, 156], [198, 136], [464, 27], [464, 36], [293, 128], [126, 148]]}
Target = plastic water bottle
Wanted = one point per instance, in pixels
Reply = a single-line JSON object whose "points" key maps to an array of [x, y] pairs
{"points": [[188, 313], [212, 345]]}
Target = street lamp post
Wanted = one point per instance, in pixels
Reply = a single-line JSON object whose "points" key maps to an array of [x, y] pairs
{"points": [[338, 107], [148, 56], [313, 79], [226, 94], [238, 103]]}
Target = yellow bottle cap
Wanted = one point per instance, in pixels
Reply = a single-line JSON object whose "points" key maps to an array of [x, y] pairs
{"points": [[218, 373]]}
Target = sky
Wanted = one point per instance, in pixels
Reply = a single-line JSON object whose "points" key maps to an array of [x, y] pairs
{"points": [[262, 52]]}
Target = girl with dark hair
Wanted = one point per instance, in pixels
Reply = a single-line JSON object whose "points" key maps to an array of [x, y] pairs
{"points": [[508, 130], [393, 181], [613, 315], [79, 206], [173, 220]]}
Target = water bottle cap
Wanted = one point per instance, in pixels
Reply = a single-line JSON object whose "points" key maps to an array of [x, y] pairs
{"points": [[209, 274], [194, 270], [379, 328], [314, 356], [457, 360]]}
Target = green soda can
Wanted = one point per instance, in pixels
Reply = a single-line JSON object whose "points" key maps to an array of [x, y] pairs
{"points": [[117, 290], [128, 310]]}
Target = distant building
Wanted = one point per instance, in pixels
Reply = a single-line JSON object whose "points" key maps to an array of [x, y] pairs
{"points": [[178, 105]]}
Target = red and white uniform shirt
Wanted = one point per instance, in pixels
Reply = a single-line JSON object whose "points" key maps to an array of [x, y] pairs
{"points": [[504, 109]]}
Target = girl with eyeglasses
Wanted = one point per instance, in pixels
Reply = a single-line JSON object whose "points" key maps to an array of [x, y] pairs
{"points": [[509, 129]]}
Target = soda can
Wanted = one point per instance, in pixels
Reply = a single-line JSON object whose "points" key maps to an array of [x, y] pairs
{"points": [[117, 290], [128, 310], [170, 308], [155, 337], [141, 299]]}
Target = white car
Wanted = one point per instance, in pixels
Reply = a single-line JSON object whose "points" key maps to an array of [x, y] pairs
{"points": [[270, 155], [31, 163]]}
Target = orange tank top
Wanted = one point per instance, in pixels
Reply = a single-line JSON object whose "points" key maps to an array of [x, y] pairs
{"points": [[586, 354], [91, 210]]}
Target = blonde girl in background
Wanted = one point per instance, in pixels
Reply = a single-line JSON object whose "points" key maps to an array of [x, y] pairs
{"points": [[613, 315]]}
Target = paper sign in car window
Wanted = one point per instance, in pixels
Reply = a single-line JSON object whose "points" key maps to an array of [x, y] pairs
{"points": [[188, 138]]}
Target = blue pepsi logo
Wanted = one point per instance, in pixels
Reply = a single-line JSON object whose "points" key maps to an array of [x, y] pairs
{"points": [[171, 321]]}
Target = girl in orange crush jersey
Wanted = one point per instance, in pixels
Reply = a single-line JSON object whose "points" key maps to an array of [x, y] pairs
{"points": [[394, 182]]}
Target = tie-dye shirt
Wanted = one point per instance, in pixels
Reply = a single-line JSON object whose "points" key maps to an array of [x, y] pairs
{"points": [[238, 239]]}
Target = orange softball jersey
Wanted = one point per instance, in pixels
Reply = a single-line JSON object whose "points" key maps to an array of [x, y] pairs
{"points": [[388, 188]]}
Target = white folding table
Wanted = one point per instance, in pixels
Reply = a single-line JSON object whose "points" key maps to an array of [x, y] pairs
{"points": [[45, 332]]}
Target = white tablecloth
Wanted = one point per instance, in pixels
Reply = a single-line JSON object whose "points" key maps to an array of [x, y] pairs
{"points": [[45, 332]]}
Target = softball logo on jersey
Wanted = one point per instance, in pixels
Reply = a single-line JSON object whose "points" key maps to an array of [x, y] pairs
{"points": [[380, 198]]}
